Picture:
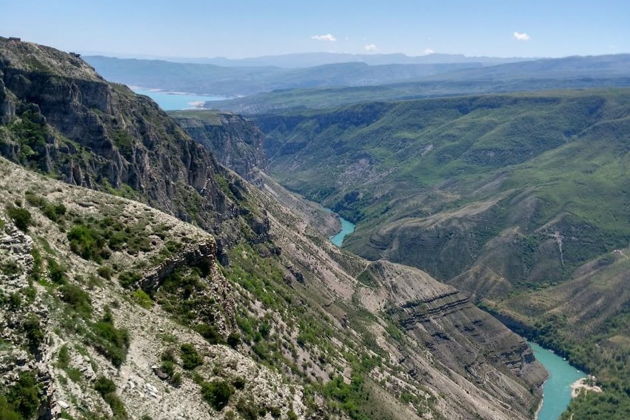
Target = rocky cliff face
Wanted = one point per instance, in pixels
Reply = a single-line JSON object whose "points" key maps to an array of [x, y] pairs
{"points": [[235, 142], [62, 118], [238, 144], [76, 343]]}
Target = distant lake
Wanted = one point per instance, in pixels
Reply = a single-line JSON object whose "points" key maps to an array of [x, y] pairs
{"points": [[175, 101]]}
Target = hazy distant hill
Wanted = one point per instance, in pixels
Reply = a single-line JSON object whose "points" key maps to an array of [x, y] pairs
{"points": [[598, 66], [234, 81], [321, 98], [321, 58], [560, 73]]}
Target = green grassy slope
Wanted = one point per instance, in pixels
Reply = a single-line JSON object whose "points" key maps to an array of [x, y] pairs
{"points": [[490, 162], [322, 98], [522, 200]]}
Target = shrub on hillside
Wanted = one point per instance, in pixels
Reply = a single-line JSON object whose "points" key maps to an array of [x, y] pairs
{"points": [[217, 393], [107, 389], [110, 341], [190, 358], [77, 299], [21, 217]]}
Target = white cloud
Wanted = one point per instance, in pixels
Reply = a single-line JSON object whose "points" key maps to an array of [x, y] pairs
{"points": [[324, 37], [370, 47], [429, 51], [521, 36]]}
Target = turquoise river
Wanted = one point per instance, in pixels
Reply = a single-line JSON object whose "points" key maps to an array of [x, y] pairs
{"points": [[556, 389], [347, 228]]}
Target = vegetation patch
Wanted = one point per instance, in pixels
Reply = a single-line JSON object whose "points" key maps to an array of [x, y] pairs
{"points": [[77, 299], [96, 239], [217, 393], [110, 341], [22, 400], [107, 390], [190, 358], [20, 216], [53, 211]]}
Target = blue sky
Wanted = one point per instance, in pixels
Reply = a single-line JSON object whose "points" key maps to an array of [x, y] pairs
{"points": [[242, 28]]}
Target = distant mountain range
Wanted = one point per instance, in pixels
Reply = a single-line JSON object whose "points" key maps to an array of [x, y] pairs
{"points": [[321, 58], [297, 60], [558, 73], [271, 77], [238, 81], [596, 66]]}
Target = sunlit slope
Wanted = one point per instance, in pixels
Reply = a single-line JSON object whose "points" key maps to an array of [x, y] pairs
{"points": [[489, 192]]}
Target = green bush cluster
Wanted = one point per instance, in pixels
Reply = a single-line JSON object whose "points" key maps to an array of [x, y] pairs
{"points": [[110, 341], [142, 298], [95, 239], [36, 272], [77, 299], [20, 216], [190, 358], [168, 368], [107, 390], [63, 362], [128, 279], [87, 242], [56, 272], [105, 271], [210, 333], [33, 332], [609, 405], [21, 401], [217, 393], [53, 211], [183, 294]]}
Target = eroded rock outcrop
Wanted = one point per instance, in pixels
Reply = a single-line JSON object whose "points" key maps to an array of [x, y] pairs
{"points": [[235, 142]]}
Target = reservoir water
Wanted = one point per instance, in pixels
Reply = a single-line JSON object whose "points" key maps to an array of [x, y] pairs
{"points": [[174, 101], [557, 388], [347, 228]]}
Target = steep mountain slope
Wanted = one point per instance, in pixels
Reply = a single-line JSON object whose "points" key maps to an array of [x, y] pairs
{"points": [[83, 330], [521, 200], [150, 316], [406, 302], [127, 306], [460, 178], [60, 117]]}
